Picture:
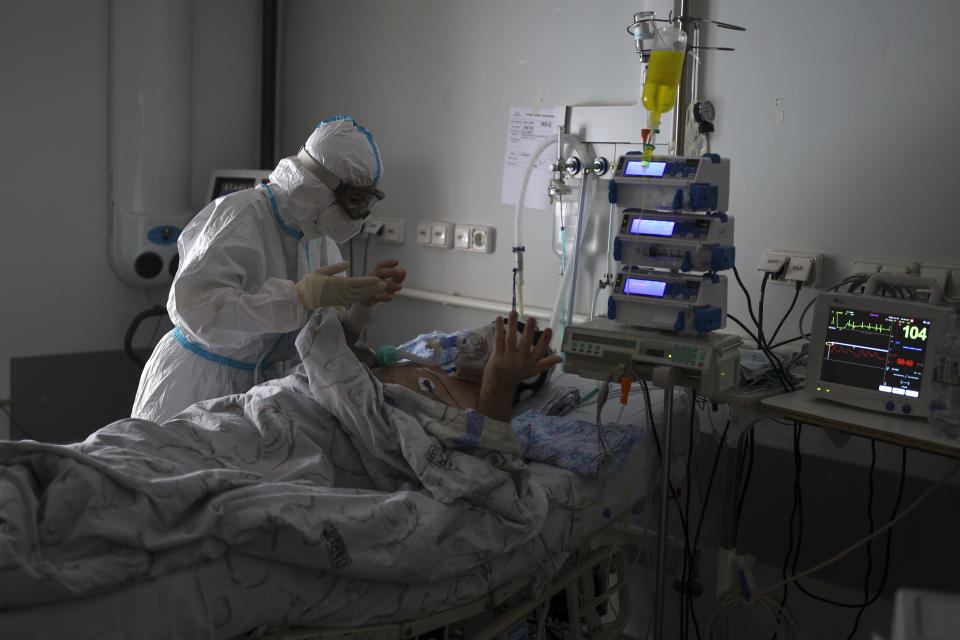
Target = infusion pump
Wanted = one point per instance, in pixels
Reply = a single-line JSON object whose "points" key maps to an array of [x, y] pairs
{"points": [[602, 350], [672, 182]]}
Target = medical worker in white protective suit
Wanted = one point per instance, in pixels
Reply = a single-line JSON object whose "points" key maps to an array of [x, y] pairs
{"points": [[255, 263]]}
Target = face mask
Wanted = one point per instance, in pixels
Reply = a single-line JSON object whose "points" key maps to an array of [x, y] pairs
{"points": [[332, 222]]}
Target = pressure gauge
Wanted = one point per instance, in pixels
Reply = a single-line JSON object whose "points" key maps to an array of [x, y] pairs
{"points": [[704, 113]]}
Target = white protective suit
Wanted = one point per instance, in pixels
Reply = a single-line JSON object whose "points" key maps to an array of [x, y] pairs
{"points": [[233, 303]]}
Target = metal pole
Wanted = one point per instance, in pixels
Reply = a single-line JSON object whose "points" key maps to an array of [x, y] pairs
{"points": [[681, 10], [664, 496], [268, 84]]}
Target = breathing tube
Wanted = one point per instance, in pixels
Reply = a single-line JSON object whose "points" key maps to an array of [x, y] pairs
{"points": [[388, 355]]}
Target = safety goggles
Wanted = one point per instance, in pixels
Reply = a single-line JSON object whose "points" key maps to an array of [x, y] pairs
{"points": [[355, 201]]}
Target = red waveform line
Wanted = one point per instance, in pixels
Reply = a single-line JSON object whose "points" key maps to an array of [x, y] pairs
{"points": [[856, 352]]}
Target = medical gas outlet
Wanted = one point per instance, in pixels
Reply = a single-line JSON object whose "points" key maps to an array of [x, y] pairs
{"points": [[476, 238]]}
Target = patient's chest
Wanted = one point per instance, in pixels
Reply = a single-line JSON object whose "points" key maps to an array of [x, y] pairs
{"points": [[431, 382]]}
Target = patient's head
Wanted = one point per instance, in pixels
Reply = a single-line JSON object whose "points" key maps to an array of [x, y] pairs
{"points": [[474, 348], [512, 369]]}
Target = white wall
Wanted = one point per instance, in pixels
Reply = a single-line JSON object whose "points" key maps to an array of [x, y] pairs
{"points": [[434, 81], [856, 168], [59, 294]]}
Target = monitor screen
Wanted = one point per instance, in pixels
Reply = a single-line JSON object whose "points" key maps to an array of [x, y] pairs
{"points": [[224, 185], [638, 287], [875, 351], [639, 226], [641, 168]]}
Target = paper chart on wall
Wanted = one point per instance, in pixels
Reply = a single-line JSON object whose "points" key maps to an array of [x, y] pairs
{"points": [[525, 131]]}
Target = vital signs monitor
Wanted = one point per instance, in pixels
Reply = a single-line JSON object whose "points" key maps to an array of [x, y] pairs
{"points": [[874, 352], [226, 181]]}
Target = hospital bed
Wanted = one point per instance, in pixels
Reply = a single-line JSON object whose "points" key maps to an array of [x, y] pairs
{"points": [[260, 578]]}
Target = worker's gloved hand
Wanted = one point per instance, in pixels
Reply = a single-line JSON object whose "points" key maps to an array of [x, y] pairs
{"points": [[320, 288]]}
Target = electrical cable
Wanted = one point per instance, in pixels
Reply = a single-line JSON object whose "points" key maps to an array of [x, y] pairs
{"points": [[759, 338], [747, 453], [746, 294], [687, 571], [723, 620], [796, 518], [705, 504], [672, 490], [750, 334], [787, 341], [886, 566], [866, 577], [763, 344], [156, 310], [923, 496], [18, 425], [442, 384], [796, 295]]}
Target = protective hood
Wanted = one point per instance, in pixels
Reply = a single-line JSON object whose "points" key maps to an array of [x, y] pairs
{"points": [[349, 152]]}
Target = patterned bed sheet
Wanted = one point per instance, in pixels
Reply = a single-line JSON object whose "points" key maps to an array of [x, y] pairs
{"points": [[308, 501]]}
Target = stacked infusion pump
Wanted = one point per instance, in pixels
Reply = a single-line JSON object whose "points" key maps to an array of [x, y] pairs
{"points": [[668, 297]]}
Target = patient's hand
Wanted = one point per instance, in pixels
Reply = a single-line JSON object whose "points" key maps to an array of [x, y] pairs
{"points": [[361, 314], [394, 276], [510, 363]]}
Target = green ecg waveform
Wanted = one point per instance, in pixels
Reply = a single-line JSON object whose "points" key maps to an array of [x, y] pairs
{"points": [[838, 321]]}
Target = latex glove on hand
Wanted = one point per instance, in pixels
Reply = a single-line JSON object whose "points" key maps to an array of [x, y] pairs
{"points": [[320, 288]]}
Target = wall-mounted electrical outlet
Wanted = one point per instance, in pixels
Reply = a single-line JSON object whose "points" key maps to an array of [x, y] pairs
{"points": [[773, 262], [434, 233], [870, 267], [394, 231], [791, 267], [947, 275]]}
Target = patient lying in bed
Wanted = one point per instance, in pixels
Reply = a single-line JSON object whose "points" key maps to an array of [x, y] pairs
{"points": [[348, 478], [512, 361]]}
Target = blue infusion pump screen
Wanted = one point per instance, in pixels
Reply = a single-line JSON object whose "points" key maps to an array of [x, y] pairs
{"points": [[639, 226], [638, 287], [641, 168]]}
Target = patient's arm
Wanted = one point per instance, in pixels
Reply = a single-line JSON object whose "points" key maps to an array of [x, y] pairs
{"points": [[510, 363]]}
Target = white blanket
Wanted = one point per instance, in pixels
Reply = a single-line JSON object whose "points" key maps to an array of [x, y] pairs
{"points": [[325, 470]]}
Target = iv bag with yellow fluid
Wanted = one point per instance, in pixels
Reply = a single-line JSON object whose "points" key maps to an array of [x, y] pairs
{"points": [[663, 78], [663, 75]]}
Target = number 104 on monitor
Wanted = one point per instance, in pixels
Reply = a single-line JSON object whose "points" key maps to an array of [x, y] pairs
{"points": [[875, 352]]}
